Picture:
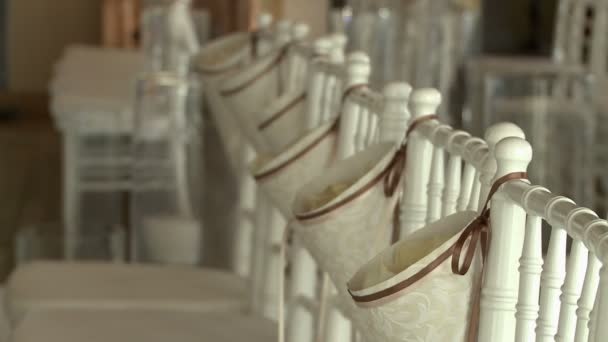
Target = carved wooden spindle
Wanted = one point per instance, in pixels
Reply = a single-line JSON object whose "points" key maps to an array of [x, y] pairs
{"points": [[357, 72], [501, 279], [596, 237], [552, 277], [337, 55], [469, 173], [590, 289], [303, 287], [453, 180], [316, 85], [372, 133], [437, 176], [265, 43], [573, 285], [332, 91], [363, 123], [272, 264], [414, 203], [478, 154], [296, 64], [530, 269]]}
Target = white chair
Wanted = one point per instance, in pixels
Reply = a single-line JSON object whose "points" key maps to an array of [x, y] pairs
{"points": [[98, 322], [92, 94], [578, 47], [208, 290], [451, 173], [530, 296], [281, 175]]}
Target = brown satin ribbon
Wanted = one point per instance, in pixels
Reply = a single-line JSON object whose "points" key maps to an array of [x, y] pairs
{"points": [[312, 145], [477, 231], [391, 176], [254, 38], [278, 59], [391, 182], [281, 112], [352, 89]]}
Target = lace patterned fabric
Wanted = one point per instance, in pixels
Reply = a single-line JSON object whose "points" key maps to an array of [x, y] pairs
{"points": [[433, 308], [345, 238], [282, 185]]}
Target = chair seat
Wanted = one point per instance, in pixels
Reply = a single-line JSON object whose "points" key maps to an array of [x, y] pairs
{"points": [[42, 285], [144, 326]]}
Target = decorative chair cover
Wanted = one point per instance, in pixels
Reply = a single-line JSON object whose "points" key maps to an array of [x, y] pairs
{"points": [[282, 175], [284, 121], [338, 213], [216, 61], [406, 291], [400, 303], [249, 91]]}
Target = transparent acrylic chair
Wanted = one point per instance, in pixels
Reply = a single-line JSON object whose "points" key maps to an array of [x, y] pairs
{"points": [[172, 32], [547, 104], [170, 232], [165, 194]]}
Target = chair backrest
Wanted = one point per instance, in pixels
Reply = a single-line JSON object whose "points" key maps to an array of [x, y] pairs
{"points": [[324, 85], [449, 166], [529, 296], [366, 117], [580, 34]]}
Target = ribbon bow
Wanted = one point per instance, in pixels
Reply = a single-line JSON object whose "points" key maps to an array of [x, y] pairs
{"points": [[478, 230]]}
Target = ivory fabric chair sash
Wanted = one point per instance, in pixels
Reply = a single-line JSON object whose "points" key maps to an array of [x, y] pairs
{"points": [[338, 233], [426, 287], [281, 176]]}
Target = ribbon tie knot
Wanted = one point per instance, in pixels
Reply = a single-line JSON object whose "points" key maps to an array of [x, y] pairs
{"points": [[478, 231]]}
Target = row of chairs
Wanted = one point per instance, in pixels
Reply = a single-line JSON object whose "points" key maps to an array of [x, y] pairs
{"points": [[346, 170]]}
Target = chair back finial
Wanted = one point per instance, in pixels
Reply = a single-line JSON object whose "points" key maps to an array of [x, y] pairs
{"points": [[284, 28], [513, 154], [493, 135], [501, 279], [338, 48], [264, 21], [396, 115], [300, 31], [322, 46], [425, 101], [358, 69], [499, 131]]}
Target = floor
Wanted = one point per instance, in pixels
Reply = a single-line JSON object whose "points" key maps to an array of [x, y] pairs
{"points": [[29, 169]]}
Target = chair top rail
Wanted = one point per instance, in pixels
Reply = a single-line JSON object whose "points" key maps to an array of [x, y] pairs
{"points": [[457, 142], [580, 223], [331, 68]]}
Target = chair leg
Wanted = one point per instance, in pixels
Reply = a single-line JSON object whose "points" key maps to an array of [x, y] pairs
{"points": [[337, 327], [301, 322], [71, 194], [258, 258], [273, 265], [243, 255]]}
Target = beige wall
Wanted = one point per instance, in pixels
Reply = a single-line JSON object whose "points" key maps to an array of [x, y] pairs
{"points": [[38, 32], [312, 12]]}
